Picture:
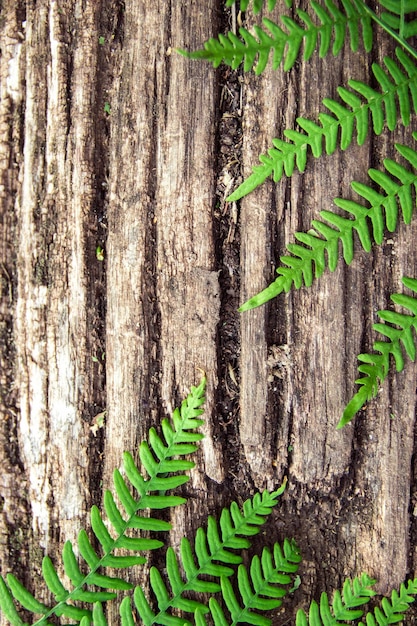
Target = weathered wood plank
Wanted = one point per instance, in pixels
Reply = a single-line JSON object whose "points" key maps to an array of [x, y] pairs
{"points": [[13, 519], [163, 295], [148, 183], [52, 82]]}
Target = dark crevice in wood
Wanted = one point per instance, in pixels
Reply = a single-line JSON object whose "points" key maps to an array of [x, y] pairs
{"points": [[412, 557], [151, 309], [226, 236]]}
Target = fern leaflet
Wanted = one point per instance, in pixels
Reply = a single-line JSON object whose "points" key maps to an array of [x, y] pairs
{"points": [[398, 83], [399, 329], [98, 616], [215, 552], [165, 468], [320, 246], [253, 50]]}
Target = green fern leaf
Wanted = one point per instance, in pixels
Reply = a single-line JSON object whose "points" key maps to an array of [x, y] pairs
{"points": [[399, 329], [98, 618], [26, 599], [7, 605], [398, 83], [179, 438], [399, 6], [69, 610], [214, 553], [52, 580], [320, 246], [344, 607], [253, 50], [126, 613]]}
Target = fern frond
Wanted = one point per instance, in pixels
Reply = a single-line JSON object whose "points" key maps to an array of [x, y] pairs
{"points": [[254, 49], [399, 329], [361, 106], [257, 4], [214, 554], [393, 611], [395, 17], [261, 588], [162, 459], [320, 245], [344, 607]]}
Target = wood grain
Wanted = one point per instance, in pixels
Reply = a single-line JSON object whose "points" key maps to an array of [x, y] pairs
{"points": [[109, 138]]}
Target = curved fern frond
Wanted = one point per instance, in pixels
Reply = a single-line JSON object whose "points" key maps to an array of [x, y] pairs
{"points": [[344, 607], [320, 245], [396, 99], [215, 548], [162, 458], [254, 49], [261, 588], [400, 330]]}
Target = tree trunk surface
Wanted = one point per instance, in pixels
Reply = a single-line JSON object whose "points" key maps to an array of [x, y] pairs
{"points": [[110, 139]]}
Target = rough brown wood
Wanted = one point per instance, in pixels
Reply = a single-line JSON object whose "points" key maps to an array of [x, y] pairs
{"points": [[49, 82], [147, 180]]}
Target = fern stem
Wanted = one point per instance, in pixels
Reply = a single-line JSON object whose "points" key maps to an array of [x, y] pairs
{"points": [[402, 19]]}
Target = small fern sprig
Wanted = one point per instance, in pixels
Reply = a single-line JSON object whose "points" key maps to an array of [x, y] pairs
{"points": [[162, 458], [398, 84], [253, 50], [344, 606], [262, 587], [393, 610], [320, 246], [257, 4], [214, 554], [400, 330]]}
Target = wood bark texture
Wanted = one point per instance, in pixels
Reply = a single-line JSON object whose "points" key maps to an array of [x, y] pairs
{"points": [[110, 139]]}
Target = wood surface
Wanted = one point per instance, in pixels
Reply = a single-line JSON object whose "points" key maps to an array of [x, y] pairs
{"points": [[109, 138]]}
